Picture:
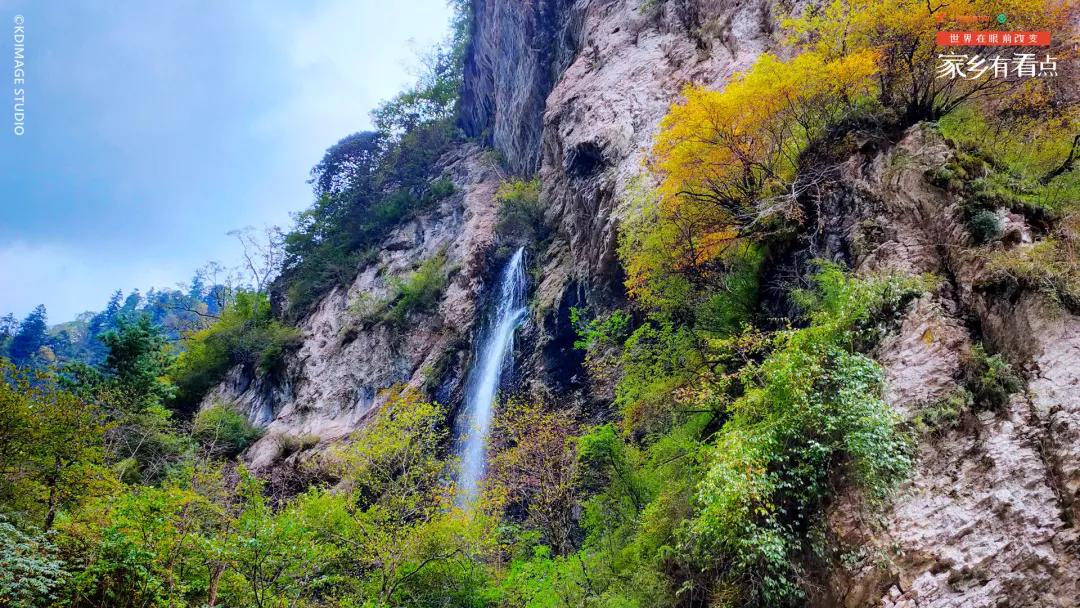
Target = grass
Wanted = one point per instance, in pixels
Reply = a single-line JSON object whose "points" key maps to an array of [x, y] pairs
{"points": [[418, 291], [1013, 167], [1018, 158]]}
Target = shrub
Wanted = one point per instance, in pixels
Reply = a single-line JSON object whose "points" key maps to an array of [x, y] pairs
{"points": [[520, 213], [989, 379], [612, 328], [943, 177], [944, 413], [30, 568], [395, 458], [224, 431], [1012, 161], [985, 226], [366, 308], [419, 291], [291, 444], [441, 188], [1050, 267], [246, 334], [811, 413]]}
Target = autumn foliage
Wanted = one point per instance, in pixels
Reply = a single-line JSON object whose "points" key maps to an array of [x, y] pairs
{"points": [[725, 158], [903, 33]]}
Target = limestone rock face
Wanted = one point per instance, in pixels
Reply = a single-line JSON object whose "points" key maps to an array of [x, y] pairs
{"points": [[633, 61], [573, 90], [615, 67], [339, 373], [576, 89], [517, 51], [988, 516]]}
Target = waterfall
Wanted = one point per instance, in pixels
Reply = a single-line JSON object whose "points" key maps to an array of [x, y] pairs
{"points": [[492, 356]]}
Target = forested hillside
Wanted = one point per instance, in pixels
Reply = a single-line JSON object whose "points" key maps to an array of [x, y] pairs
{"points": [[802, 329]]}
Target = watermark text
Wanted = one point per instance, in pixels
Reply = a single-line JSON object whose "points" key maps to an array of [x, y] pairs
{"points": [[19, 77]]}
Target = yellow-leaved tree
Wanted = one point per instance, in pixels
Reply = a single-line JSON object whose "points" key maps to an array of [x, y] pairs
{"points": [[903, 32], [724, 161]]}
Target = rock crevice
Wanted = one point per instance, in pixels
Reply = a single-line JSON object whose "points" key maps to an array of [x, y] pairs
{"points": [[985, 518]]}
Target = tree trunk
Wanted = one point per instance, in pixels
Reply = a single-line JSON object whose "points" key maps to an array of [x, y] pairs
{"points": [[52, 482], [215, 579]]}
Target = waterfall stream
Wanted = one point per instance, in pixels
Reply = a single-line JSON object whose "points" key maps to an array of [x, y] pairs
{"points": [[493, 355]]}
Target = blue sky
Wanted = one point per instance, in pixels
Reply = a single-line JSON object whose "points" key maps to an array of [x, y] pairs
{"points": [[155, 127]]}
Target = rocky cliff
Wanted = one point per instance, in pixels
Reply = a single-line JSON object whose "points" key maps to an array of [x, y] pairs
{"points": [[334, 380], [988, 517], [573, 90]]}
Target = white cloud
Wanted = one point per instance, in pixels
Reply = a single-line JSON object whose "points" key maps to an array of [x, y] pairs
{"points": [[344, 57], [74, 281], [206, 116]]}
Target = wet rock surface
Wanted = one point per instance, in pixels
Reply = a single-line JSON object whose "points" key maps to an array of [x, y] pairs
{"points": [[574, 90]]}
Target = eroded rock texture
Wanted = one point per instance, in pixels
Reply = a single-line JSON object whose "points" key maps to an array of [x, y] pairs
{"points": [[573, 90], [517, 51], [336, 378], [633, 60], [988, 517]]}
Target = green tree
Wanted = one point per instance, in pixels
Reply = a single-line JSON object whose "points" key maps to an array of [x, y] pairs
{"points": [[137, 362], [223, 431], [32, 335], [247, 334], [52, 451]]}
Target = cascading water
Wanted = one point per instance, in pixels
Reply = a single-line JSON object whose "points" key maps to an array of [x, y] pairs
{"points": [[493, 355]]}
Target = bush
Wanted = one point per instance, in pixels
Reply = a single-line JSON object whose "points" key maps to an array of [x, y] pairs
{"points": [[224, 431], [943, 414], [811, 413], [989, 379], [396, 456], [1008, 165], [1050, 267], [611, 328], [985, 226], [520, 213], [30, 568], [291, 444], [246, 334], [419, 291], [366, 308]]}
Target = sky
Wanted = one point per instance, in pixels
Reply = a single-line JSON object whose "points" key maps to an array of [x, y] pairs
{"points": [[154, 128]]}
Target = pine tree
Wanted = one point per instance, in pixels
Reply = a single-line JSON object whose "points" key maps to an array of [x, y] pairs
{"points": [[198, 287], [32, 335], [8, 326], [137, 361], [106, 319], [131, 304]]}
